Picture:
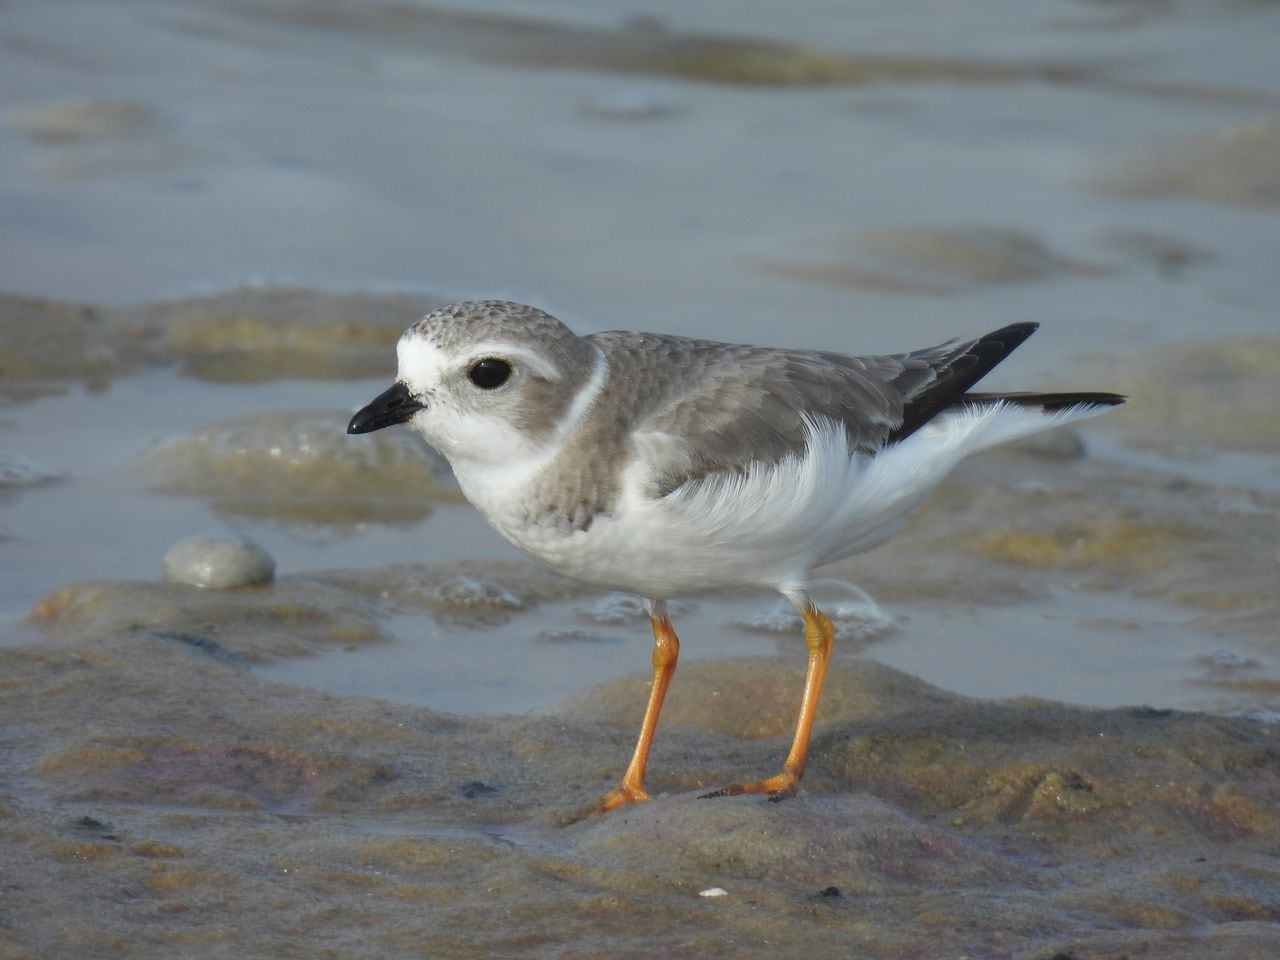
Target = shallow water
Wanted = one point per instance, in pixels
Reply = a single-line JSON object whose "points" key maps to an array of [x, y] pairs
{"points": [[1104, 649], [863, 178], [1075, 647]]}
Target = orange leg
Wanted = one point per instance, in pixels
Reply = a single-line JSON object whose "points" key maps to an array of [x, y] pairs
{"points": [[818, 635], [666, 650]]}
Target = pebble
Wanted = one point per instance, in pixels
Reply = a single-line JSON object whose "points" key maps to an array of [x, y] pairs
{"points": [[218, 563]]}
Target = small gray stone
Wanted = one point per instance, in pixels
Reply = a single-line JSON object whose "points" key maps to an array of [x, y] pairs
{"points": [[218, 563]]}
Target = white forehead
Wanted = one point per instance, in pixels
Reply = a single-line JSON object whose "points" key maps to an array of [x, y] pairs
{"points": [[420, 361]]}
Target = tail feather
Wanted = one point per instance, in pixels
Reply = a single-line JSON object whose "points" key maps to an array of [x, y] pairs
{"points": [[1048, 402], [1003, 417]]}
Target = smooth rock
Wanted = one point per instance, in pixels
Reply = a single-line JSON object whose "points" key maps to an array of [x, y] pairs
{"points": [[301, 467], [218, 563]]}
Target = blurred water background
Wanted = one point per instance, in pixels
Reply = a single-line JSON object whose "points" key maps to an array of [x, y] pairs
{"points": [[220, 212]]}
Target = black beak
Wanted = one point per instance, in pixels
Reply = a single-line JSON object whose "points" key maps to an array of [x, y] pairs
{"points": [[386, 409]]}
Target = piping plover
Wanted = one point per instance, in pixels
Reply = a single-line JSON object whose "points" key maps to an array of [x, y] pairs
{"points": [[661, 465]]}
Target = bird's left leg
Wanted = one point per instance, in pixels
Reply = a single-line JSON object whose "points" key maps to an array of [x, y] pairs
{"points": [[818, 637]]}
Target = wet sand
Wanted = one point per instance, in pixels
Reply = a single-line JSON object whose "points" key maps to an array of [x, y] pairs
{"points": [[206, 811]]}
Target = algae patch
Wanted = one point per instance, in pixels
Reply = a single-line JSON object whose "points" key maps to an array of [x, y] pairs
{"points": [[1219, 393], [301, 468], [251, 335], [48, 345], [1236, 166], [645, 45], [929, 261]]}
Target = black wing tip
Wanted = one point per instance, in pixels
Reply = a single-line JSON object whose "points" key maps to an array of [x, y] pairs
{"points": [[1004, 341], [1023, 329], [990, 349], [958, 372]]}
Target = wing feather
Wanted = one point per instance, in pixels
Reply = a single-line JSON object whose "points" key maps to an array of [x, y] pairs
{"points": [[697, 408]]}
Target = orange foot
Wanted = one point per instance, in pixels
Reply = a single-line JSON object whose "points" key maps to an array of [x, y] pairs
{"points": [[779, 787], [619, 796]]}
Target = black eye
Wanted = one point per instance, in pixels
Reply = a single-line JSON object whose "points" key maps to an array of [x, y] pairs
{"points": [[489, 373]]}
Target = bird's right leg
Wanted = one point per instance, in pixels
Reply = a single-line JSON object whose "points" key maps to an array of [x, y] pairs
{"points": [[666, 650]]}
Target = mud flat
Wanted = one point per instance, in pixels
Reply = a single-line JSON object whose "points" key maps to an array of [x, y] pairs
{"points": [[170, 802]]}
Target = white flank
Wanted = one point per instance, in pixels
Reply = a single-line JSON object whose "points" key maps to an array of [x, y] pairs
{"points": [[774, 523]]}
